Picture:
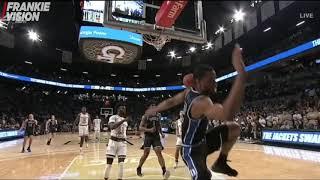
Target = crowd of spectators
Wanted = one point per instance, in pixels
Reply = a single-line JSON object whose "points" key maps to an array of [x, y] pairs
{"points": [[290, 101]]}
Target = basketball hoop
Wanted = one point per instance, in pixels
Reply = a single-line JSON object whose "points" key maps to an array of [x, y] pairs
{"points": [[157, 41]]}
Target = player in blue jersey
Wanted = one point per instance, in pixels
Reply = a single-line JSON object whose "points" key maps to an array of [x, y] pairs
{"points": [[198, 109]]}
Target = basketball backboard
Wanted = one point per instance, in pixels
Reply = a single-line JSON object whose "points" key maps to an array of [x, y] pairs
{"points": [[106, 112], [139, 16]]}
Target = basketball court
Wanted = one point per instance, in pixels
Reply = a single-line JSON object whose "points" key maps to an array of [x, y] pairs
{"points": [[62, 160]]}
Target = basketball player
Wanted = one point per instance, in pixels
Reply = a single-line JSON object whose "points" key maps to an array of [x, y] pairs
{"points": [[84, 120], [198, 107], [29, 125], [97, 127], [179, 140], [51, 128], [152, 130], [117, 145]]}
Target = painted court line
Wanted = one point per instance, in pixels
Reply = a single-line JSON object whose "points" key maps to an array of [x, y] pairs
{"points": [[67, 168]]}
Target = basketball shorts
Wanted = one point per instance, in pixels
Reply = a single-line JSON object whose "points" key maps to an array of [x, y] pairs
{"points": [[83, 130], [195, 157], [179, 141], [153, 141], [28, 133], [116, 148], [52, 130]]}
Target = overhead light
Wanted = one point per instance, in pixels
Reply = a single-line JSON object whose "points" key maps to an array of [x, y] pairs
{"points": [[192, 49], [120, 82], [23, 88], [300, 23], [179, 74], [179, 57], [267, 29], [85, 72], [59, 77], [172, 54], [209, 45], [238, 15], [138, 83], [113, 75], [157, 75], [27, 62], [33, 36], [58, 91], [318, 61], [149, 60], [220, 30], [135, 75], [62, 69], [65, 92]]}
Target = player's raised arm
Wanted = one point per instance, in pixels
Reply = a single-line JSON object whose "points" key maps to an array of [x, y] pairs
{"points": [[231, 105], [168, 103]]}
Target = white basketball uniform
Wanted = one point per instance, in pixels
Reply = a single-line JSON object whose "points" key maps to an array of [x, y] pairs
{"points": [[84, 124], [97, 123], [179, 131], [117, 148]]}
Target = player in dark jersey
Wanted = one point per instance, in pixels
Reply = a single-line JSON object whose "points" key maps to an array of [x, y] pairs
{"points": [[29, 125], [51, 128], [198, 108], [152, 129]]}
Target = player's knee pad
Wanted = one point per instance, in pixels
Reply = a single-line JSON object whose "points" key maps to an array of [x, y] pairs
{"points": [[121, 159], [109, 160]]}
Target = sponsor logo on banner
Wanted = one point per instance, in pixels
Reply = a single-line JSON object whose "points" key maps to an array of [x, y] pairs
{"points": [[22, 12], [294, 137], [110, 45], [110, 53]]}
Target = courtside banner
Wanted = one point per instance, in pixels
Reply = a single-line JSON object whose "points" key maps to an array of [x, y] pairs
{"points": [[7, 134], [310, 138]]}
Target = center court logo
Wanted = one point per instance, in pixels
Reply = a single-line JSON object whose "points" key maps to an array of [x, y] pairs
{"points": [[20, 12]]}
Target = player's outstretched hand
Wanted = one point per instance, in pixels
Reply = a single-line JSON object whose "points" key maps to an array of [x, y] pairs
{"points": [[237, 60]]}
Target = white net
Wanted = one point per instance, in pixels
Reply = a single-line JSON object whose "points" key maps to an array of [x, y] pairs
{"points": [[156, 41]]}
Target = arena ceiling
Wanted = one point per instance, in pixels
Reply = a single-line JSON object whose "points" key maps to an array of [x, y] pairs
{"points": [[58, 31]]}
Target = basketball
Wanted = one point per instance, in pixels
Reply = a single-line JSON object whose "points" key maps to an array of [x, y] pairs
{"points": [[188, 80]]}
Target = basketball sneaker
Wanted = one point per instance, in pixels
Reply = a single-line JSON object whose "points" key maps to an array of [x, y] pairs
{"points": [[22, 150], [29, 150], [221, 166], [166, 175], [176, 165], [139, 171]]}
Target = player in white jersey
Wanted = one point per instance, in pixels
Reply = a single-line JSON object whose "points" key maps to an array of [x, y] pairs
{"points": [[97, 127], [117, 145], [84, 120], [179, 140]]}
